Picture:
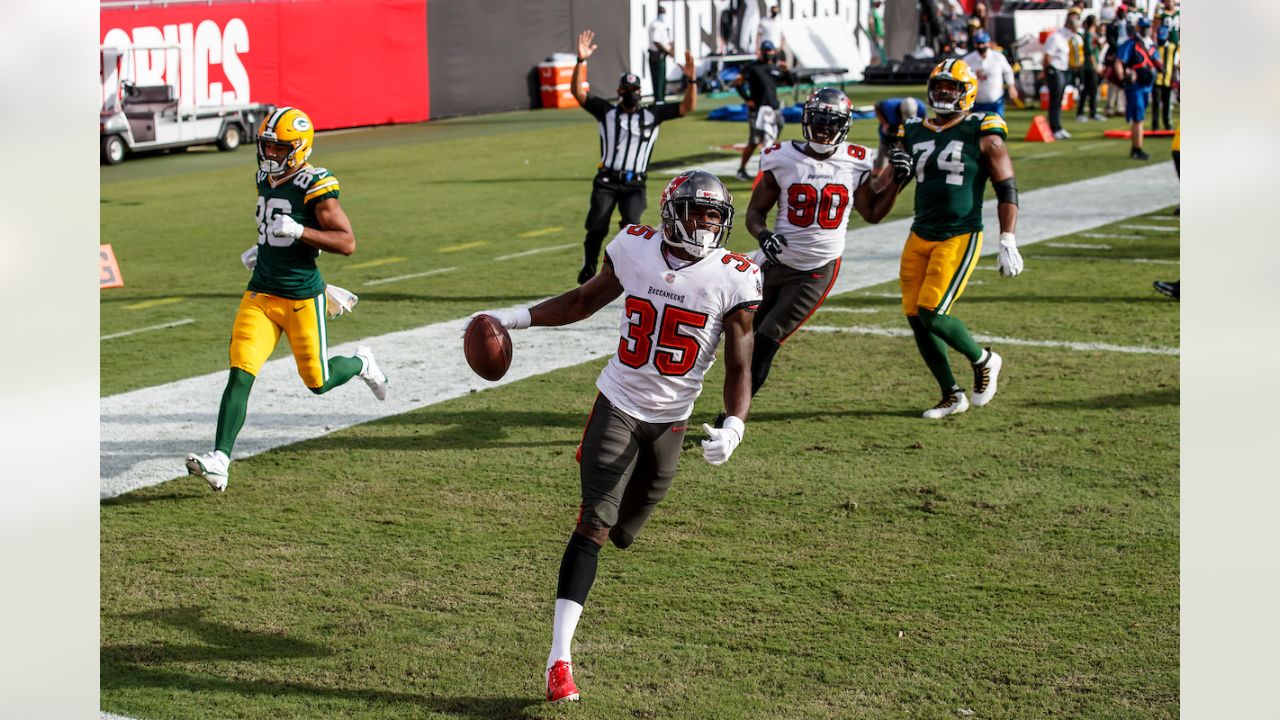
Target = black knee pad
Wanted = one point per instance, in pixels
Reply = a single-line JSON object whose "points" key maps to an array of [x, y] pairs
{"points": [[620, 539]]}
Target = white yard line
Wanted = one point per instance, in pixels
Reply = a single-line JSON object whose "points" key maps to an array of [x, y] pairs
{"points": [[398, 278], [1078, 246], [997, 340], [145, 434], [535, 251], [149, 328], [1111, 236], [1037, 157], [1153, 228], [1090, 146]]}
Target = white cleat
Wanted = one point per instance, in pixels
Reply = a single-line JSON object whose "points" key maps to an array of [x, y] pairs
{"points": [[372, 376], [212, 466], [985, 375], [953, 403]]}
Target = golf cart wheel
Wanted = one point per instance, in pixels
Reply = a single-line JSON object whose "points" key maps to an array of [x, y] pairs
{"points": [[112, 150], [231, 137]]}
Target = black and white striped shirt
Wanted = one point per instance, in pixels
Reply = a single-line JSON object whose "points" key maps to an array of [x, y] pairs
{"points": [[627, 138]]}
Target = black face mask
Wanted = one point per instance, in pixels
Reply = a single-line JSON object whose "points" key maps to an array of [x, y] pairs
{"points": [[630, 100]]}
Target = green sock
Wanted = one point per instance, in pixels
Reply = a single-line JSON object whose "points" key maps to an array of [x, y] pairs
{"points": [[235, 403], [953, 331], [933, 352], [341, 369]]}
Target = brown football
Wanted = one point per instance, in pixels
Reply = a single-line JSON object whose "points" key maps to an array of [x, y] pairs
{"points": [[487, 347]]}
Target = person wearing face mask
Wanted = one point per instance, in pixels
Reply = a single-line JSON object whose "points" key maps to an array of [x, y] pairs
{"points": [[994, 75], [770, 30], [758, 85], [683, 291], [812, 184], [628, 132]]}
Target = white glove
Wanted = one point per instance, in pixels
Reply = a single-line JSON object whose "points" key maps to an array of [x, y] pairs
{"points": [[250, 257], [339, 300], [1008, 259], [509, 319], [285, 226], [723, 440]]}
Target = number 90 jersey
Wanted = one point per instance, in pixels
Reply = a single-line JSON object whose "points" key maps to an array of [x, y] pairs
{"points": [[816, 195], [950, 175], [287, 267], [671, 323]]}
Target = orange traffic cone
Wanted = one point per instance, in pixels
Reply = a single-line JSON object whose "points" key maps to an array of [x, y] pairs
{"points": [[1040, 131]]}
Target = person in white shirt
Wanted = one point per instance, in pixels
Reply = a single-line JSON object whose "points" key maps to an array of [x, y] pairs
{"points": [[1056, 61], [994, 75], [770, 29], [660, 48]]}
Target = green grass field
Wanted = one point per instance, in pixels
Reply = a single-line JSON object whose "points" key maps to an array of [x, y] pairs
{"points": [[851, 561]]}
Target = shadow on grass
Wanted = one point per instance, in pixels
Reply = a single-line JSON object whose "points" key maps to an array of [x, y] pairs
{"points": [[192, 493], [1150, 398], [125, 667], [464, 429]]}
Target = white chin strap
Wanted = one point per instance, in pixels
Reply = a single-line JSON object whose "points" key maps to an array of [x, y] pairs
{"points": [[821, 147]]}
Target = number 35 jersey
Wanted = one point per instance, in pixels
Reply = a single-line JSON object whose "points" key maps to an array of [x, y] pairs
{"points": [[671, 323], [950, 176], [816, 196], [287, 267]]}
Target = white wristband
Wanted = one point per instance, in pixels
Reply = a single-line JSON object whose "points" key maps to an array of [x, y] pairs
{"points": [[523, 319], [735, 423]]}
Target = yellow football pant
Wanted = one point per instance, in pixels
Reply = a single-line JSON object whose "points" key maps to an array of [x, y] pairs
{"points": [[934, 273], [259, 322]]}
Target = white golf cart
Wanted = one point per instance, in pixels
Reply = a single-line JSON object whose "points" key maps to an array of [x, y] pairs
{"points": [[138, 118]]}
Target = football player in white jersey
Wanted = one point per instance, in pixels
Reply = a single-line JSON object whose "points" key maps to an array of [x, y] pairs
{"points": [[683, 291], [813, 184]]}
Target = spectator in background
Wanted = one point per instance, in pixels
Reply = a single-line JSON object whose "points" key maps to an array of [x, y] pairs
{"points": [[1056, 62], [758, 85], [770, 30], [994, 75], [660, 48], [1137, 63], [1170, 16], [1090, 43], [1162, 96], [1107, 13], [891, 113], [875, 29]]}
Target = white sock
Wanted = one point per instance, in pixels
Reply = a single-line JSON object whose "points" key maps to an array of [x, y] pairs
{"points": [[567, 614]]}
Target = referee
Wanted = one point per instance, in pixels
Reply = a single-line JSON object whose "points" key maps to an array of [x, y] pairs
{"points": [[627, 134]]}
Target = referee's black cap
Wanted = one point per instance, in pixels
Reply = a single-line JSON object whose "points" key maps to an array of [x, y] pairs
{"points": [[629, 81]]}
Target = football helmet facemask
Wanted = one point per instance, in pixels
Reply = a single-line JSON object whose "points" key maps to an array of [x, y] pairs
{"points": [[826, 119], [284, 141], [689, 205], [953, 87]]}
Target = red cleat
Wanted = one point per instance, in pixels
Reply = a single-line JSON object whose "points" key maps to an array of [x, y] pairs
{"points": [[560, 687]]}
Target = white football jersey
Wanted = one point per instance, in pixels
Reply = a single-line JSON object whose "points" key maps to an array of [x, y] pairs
{"points": [[671, 323], [816, 199]]}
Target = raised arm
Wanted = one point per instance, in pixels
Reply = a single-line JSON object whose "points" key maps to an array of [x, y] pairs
{"points": [[585, 48], [690, 86]]}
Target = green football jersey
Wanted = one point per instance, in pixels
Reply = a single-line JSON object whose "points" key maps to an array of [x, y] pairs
{"points": [[950, 177], [287, 267]]}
